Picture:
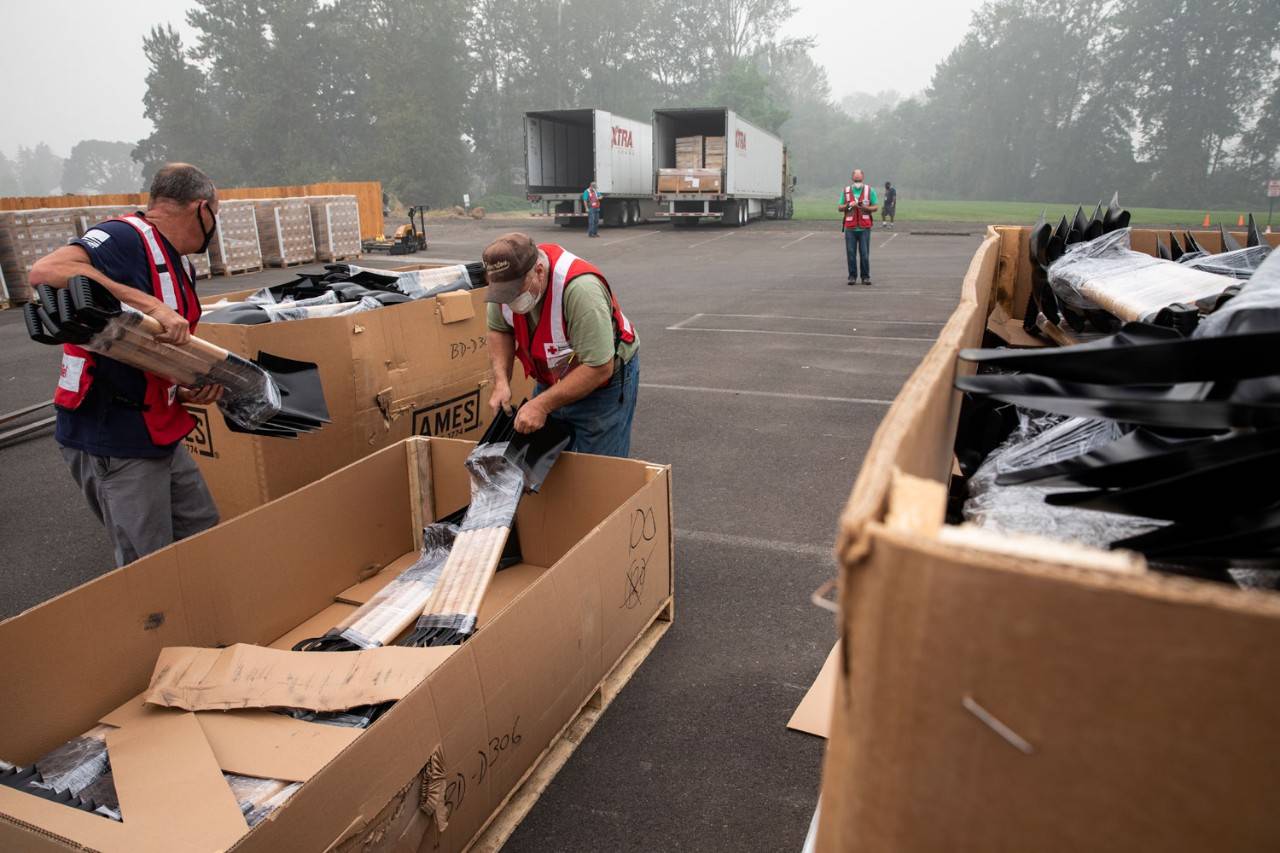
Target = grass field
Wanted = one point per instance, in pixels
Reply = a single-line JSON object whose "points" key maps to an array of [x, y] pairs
{"points": [[1015, 212]]}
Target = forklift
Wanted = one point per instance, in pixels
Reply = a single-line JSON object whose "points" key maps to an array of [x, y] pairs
{"points": [[409, 238]]}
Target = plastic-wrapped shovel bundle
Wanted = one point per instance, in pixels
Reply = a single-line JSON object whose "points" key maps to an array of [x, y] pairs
{"points": [[270, 395], [78, 773], [1107, 275]]}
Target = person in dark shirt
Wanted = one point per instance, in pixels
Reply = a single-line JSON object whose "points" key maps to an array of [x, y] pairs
{"points": [[119, 428], [889, 211]]}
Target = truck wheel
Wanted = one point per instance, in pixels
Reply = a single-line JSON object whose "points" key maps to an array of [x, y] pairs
{"points": [[626, 215], [635, 212]]}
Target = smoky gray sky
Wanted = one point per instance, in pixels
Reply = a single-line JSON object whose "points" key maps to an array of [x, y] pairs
{"points": [[75, 68]]}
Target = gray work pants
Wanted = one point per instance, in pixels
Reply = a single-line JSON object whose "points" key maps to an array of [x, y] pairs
{"points": [[145, 504]]}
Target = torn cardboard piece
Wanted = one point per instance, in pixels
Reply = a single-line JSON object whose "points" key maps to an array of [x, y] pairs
{"points": [[813, 714], [245, 676], [263, 744]]}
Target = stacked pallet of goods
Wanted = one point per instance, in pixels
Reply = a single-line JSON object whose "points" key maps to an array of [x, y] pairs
{"points": [[285, 232]]}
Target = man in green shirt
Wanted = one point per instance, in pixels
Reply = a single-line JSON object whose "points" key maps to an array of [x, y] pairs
{"points": [[857, 201], [556, 313]]}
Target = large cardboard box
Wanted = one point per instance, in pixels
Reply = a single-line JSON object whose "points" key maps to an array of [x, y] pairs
{"points": [[1007, 696], [429, 773], [421, 368], [689, 181], [689, 152]]}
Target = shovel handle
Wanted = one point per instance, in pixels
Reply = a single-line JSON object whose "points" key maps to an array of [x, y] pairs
{"points": [[198, 345]]}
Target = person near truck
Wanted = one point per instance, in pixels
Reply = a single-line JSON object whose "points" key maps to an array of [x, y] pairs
{"points": [[888, 213], [857, 202], [556, 313], [120, 429], [591, 198]]}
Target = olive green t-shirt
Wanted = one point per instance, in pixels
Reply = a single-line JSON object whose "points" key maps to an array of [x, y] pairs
{"points": [[589, 318]]}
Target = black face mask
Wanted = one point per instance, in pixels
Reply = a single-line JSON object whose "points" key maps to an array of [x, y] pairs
{"points": [[208, 235]]}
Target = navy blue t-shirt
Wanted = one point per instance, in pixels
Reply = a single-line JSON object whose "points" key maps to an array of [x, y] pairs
{"points": [[106, 424]]}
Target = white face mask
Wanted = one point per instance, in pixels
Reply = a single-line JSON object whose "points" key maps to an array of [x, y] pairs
{"points": [[523, 303]]}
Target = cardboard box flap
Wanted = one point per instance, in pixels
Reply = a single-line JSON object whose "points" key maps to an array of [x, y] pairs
{"points": [[252, 743], [245, 676], [813, 714], [455, 307], [167, 769]]}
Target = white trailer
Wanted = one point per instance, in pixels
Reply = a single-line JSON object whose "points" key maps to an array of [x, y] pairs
{"points": [[565, 150], [756, 181]]}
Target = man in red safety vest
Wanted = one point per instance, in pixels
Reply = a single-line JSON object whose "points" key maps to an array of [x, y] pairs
{"points": [[857, 202], [591, 198], [557, 314], [119, 428]]}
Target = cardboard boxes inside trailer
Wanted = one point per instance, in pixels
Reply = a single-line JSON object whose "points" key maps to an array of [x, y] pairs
{"points": [[595, 574]]}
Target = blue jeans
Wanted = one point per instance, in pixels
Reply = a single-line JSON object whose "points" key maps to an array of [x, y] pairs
{"points": [[856, 242], [593, 220], [601, 422]]}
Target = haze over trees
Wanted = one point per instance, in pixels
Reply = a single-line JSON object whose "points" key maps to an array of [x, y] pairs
{"points": [[1172, 102]]}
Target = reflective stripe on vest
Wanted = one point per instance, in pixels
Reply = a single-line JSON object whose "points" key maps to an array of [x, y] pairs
{"points": [[160, 270]]}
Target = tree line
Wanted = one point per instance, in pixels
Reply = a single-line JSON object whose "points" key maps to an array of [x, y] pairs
{"points": [[1172, 102], [94, 166]]}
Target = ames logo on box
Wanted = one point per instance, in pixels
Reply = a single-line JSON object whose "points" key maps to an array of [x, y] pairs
{"points": [[200, 440], [449, 418], [623, 138], [740, 140]]}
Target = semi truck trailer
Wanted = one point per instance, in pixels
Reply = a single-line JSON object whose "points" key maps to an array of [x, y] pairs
{"points": [[754, 181], [565, 150]]}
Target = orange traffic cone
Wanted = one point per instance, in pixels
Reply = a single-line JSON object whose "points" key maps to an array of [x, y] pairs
{"points": [[1205, 224], [1240, 221]]}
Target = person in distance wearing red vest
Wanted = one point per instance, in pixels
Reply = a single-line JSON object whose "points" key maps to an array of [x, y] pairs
{"points": [[857, 202], [591, 198], [556, 313], [119, 428]]}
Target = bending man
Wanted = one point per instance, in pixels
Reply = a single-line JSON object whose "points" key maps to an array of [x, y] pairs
{"points": [[557, 314]]}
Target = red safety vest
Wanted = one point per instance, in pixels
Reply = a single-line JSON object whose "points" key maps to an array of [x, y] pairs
{"points": [[857, 218], [547, 355], [593, 198], [167, 421]]}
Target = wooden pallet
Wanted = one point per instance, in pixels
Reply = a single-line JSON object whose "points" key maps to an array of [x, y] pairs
{"points": [[233, 273], [504, 820], [284, 265]]}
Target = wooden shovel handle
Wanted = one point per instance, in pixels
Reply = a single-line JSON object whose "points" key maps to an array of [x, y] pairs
{"points": [[212, 351]]}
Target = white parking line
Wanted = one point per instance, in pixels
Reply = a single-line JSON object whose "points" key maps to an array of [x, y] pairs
{"points": [[682, 322], [798, 239], [811, 334], [864, 401], [713, 239], [819, 319], [827, 551], [629, 239]]}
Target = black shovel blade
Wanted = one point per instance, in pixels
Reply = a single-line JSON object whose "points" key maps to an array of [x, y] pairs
{"points": [[301, 392], [1238, 484], [1137, 456], [238, 313], [1254, 535], [1251, 236], [1191, 243], [1175, 248], [1038, 242], [1095, 228], [1174, 407], [1229, 243], [536, 452], [501, 428], [1162, 251], [1143, 354], [1079, 228]]}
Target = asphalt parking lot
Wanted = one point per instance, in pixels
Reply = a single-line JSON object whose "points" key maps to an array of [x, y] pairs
{"points": [[763, 378]]}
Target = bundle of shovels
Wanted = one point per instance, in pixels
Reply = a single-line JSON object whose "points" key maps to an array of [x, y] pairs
{"points": [[345, 289], [1199, 448], [78, 774], [1084, 276], [269, 395]]}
